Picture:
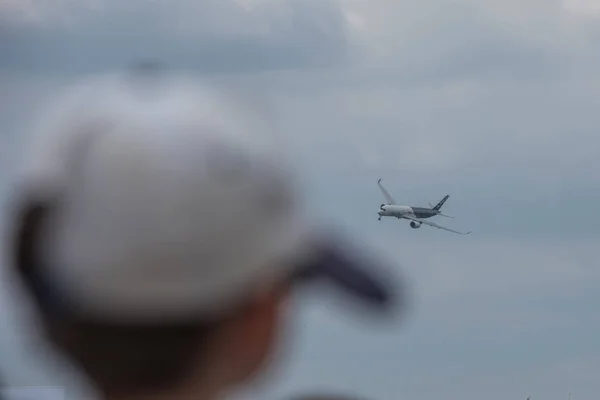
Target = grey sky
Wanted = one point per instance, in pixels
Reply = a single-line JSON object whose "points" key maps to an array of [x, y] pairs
{"points": [[495, 103]]}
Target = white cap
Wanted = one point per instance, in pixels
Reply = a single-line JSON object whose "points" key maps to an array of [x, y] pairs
{"points": [[174, 201]]}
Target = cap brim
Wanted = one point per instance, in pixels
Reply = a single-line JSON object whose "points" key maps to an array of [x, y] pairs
{"points": [[359, 274]]}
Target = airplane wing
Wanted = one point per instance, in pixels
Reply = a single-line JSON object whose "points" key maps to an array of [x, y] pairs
{"points": [[386, 194], [422, 221]]}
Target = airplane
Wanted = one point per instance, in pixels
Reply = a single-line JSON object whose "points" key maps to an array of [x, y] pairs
{"points": [[416, 215]]}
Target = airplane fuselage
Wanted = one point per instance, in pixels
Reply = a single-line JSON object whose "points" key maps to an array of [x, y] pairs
{"points": [[423, 212], [398, 211]]}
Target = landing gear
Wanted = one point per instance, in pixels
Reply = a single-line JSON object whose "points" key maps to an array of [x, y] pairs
{"points": [[379, 219]]}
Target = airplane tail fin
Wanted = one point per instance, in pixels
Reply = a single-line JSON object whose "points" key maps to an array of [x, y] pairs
{"points": [[439, 205]]}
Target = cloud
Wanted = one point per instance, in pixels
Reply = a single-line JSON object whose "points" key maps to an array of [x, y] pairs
{"points": [[494, 103], [214, 36], [503, 319], [454, 130], [478, 268], [586, 8], [435, 88], [462, 100], [455, 88]]}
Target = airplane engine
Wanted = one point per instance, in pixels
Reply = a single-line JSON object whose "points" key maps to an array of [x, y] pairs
{"points": [[415, 225]]}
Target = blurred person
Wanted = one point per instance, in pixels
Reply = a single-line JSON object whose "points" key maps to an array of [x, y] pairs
{"points": [[158, 233]]}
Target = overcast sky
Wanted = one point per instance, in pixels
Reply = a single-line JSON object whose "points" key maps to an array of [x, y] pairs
{"points": [[495, 103]]}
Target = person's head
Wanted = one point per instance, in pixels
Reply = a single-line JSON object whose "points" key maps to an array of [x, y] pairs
{"points": [[159, 235]]}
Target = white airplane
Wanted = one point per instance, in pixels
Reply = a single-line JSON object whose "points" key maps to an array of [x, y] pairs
{"points": [[416, 215]]}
